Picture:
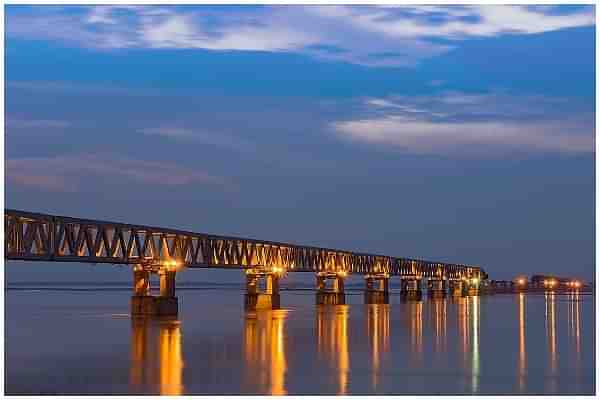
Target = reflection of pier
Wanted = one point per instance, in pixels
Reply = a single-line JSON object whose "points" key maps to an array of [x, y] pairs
{"points": [[463, 328], [574, 332], [265, 350], [156, 358], [332, 341], [413, 321], [475, 350], [468, 336], [522, 366], [437, 307], [574, 322], [551, 340], [378, 330]]}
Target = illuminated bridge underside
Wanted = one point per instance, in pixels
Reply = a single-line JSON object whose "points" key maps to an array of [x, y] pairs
{"points": [[42, 237]]}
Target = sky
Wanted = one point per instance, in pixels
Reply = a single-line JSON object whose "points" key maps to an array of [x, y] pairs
{"points": [[454, 133]]}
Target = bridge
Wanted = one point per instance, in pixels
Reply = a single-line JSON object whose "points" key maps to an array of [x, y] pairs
{"points": [[164, 251]]}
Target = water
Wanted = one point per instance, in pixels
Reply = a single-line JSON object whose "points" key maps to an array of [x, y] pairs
{"points": [[84, 342]]}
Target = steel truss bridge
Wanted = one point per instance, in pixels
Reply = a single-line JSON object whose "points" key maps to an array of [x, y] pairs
{"points": [[43, 237]]}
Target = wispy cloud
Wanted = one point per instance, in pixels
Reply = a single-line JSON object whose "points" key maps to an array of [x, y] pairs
{"points": [[463, 123], [366, 35], [22, 123], [80, 87], [199, 136], [69, 172]]}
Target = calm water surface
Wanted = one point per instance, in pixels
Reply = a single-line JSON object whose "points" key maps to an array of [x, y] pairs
{"points": [[85, 342]]}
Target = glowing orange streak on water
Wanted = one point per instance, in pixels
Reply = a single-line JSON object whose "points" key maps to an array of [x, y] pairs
{"points": [[344, 364], [171, 364], [551, 336], [522, 355], [278, 360], [332, 340], [265, 351], [378, 331], [475, 350], [156, 355]]}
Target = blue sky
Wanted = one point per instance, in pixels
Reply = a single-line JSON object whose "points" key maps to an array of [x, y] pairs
{"points": [[463, 134]]}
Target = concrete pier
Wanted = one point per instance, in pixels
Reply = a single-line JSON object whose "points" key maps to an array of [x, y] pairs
{"points": [[154, 306], [410, 289], [485, 288], [436, 288], [473, 287], [377, 289], [265, 299], [143, 303], [335, 294], [457, 288]]}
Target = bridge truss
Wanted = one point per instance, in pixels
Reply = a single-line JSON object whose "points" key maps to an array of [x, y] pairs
{"points": [[43, 237]]}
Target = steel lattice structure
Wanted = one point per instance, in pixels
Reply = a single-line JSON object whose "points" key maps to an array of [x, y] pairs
{"points": [[43, 237]]}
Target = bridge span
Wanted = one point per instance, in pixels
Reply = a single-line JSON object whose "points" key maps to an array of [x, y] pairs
{"points": [[44, 237]]}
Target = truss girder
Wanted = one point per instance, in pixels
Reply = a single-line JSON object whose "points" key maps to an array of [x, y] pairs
{"points": [[43, 237]]}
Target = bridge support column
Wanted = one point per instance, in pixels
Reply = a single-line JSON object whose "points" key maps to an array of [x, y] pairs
{"points": [[473, 287], [457, 288], [144, 303], [377, 289], [410, 289], [436, 288], [257, 299], [334, 295], [141, 281], [486, 288]]}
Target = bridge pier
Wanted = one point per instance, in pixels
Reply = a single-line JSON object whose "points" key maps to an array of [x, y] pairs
{"points": [[436, 288], [486, 288], [334, 295], [377, 289], [457, 288], [410, 288], [144, 303], [265, 299], [473, 287]]}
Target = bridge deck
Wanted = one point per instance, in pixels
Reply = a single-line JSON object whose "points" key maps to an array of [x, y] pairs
{"points": [[44, 237]]}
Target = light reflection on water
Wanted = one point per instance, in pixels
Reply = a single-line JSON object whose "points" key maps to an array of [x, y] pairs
{"points": [[265, 350], [378, 332], [156, 355], [414, 323], [332, 341], [454, 345], [522, 367], [551, 340]]}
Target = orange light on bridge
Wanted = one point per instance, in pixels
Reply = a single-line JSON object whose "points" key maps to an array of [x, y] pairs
{"points": [[171, 265], [278, 270], [521, 281]]}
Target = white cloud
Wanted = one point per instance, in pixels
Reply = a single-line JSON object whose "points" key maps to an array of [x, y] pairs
{"points": [[359, 34], [486, 20], [455, 123], [101, 15], [68, 172]]}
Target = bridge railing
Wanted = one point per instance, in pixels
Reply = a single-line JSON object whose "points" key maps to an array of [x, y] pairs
{"points": [[43, 237]]}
